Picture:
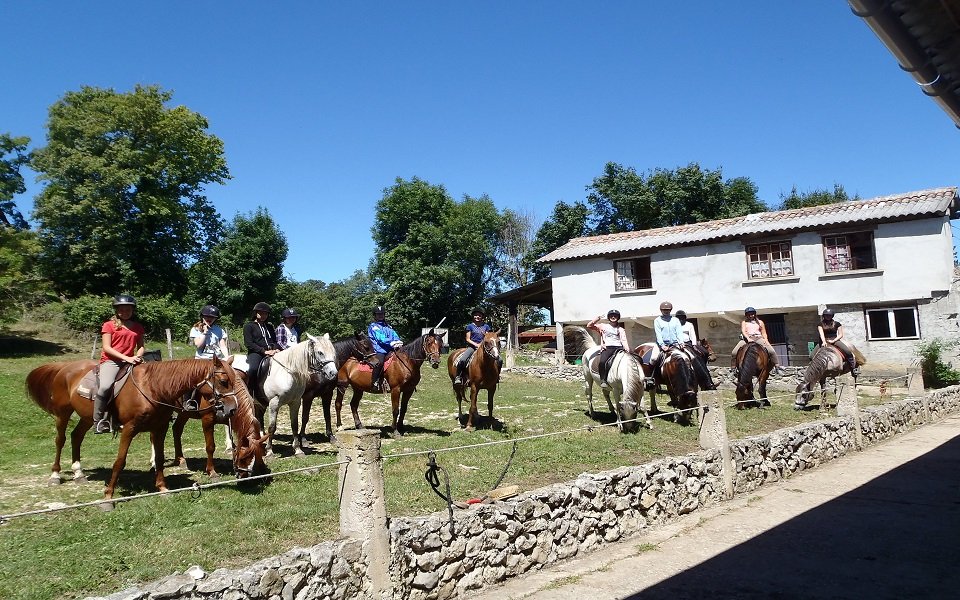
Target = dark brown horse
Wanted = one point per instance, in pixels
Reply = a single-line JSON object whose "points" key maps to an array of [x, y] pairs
{"points": [[752, 361], [677, 375], [358, 347], [401, 372], [146, 403], [826, 362], [243, 426], [483, 373]]}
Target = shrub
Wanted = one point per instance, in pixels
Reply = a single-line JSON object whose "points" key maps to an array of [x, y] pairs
{"points": [[155, 313], [87, 313], [936, 372]]}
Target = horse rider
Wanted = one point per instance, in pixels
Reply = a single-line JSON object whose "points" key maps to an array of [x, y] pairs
{"points": [[688, 333], [260, 339], [688, 340], [122, 343], [752, 329], [669, 335], [210, 340], [831, 333], [289, 330], [474, 337], [385, 340], [613, 339]]}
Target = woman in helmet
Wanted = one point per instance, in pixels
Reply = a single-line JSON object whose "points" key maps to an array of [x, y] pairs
{"points": [[385, 340], [260, 339], [122, 343], [831, 333], [752, 329], [289, 331], [613, 339], [688, 333], [474, 337], [208, 336]]}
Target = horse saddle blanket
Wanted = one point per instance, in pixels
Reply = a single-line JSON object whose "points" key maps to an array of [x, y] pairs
{"points": [[366, 367], [90, 383]]}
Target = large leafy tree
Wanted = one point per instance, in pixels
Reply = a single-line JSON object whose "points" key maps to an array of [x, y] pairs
{"points": [[435, 256], [243, 267], [13, 156], [624, 200], [567, 221], [339, 308], [817, 197], [123, 206]]}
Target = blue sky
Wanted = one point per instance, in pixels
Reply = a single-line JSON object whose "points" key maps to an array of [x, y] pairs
{"points": [[322, 105]]}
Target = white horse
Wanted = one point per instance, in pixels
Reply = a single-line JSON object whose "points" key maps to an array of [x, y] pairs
{"points": [[287, 374], [625, 380]]}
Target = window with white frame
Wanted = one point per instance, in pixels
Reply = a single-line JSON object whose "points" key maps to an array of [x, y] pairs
{"points": [[894, 323], [770, 260], [632, 274], [848, 252]]}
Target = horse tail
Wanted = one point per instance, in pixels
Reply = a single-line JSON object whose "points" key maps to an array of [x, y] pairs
{"points": [[576, 341], [39, 385]]}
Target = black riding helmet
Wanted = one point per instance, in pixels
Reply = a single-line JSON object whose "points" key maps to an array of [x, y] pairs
{"points": [[262, 307], [827, 313], [210, 311], [680, 314], [613, 312], [124, 300], [478, 311], [290, 312]]}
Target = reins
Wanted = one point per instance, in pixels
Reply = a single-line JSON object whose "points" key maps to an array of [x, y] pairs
{"points": [[217, 396]]}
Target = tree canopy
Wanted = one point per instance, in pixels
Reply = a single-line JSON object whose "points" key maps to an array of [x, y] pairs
{"points": [[567, 221], [123, 206], [815, 197], [11, 181]]}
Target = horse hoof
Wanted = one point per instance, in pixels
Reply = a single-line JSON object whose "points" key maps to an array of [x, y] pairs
{"points": [[396, 435], [214, 476], [298, 452], [82, 479], [53, 481], [107, 506], [468, 428]]}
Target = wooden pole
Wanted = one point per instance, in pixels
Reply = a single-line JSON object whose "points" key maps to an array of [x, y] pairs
{"points": [[169, 345]]}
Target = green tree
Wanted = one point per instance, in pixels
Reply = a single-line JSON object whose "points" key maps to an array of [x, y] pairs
{"points": [[624, 200], [340, 309], [817, 197], [123, 205], [567, 221], [11, 181], [21, 285], [243, 267]]}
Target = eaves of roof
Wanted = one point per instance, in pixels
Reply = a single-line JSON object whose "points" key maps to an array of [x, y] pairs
{"points": [[901, 207]]}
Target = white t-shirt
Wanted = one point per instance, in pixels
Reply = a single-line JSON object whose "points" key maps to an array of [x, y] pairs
{"points": [[211, 345], [689, 333]]}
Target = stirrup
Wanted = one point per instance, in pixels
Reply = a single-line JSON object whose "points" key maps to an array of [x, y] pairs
{"points": [[102, 426], [190, 405], [604, 385]]}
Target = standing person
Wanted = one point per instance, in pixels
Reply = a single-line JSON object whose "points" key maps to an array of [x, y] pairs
{"points": [[210, 340], [613, 339], [260, 340], [474, 337], [688, 333], [385, 340], [122, 343], [289, 331], [831, 333], [752, 329]]}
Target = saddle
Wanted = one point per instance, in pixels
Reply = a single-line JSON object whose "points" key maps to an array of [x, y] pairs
{"points": [[90, 383], [366, 367], [595, 362]]}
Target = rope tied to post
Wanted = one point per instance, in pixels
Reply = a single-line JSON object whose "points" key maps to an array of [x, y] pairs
{"points": [[433, 478]]}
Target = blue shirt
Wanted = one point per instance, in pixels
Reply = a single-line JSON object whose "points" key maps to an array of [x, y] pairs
{"points": [[381, 335], [477, 331], [668, 330]]}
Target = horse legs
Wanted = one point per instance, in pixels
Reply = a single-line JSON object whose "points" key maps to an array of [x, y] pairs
{"points": [[210, 443], [325, 398], [354, 409], [490, 392], [59, 441], [295, 428], [126, 436], [273, 408], [306, 402], [474, 390], [762, 386], [76, 438], [340, 392], [614, 409], [403, 399], [178, 458]]}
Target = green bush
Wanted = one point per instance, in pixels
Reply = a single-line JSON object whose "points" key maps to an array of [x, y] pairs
{"points": [[87, 313], [936, 372], [155, 313]]}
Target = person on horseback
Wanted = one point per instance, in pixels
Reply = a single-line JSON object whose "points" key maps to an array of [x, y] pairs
{"points": [[385, 340], [122, 343], [831, 333], [260, 339], [752, 329], [613, 339], [210, 340], [669, 335], [688, 333], [289, 330], [474, 337]]}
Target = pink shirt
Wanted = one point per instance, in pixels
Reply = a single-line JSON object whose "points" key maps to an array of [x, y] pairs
{"points": [[124, 340]]}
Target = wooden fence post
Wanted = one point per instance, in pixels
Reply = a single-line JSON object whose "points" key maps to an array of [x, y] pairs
{"points": [[713, 434], [363, 507], [848, 405], [169, 345]]}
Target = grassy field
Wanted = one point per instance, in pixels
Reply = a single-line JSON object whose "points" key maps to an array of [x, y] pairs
{"points": [[77, 552]]}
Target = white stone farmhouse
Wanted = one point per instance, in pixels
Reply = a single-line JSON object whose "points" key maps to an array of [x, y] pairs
{"points": [[885, 265]]}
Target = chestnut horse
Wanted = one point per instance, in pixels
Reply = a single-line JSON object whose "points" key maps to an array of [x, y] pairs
{"points": [[401, 372], [752, 361], [483, 373], [152, 393], [359, 347], [827, 361]]}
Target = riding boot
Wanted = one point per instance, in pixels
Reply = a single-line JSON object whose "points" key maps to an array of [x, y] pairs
{"points": [[101, 424], [852, 361]]}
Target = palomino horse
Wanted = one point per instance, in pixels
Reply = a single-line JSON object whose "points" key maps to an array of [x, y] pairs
{"points": [[625, 379], [286, 377], [752, 361], [152, 393], [243, 425], [827, 361], [360, 348], [401, 372], [483, 373]]}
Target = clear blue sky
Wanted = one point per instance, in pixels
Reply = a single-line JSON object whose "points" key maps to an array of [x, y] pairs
{"points": [[322, 105]]}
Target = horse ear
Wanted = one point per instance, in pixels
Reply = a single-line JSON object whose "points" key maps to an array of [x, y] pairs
{"points": [[326, 336], [311, 338], [356, 334], [229, 360]]}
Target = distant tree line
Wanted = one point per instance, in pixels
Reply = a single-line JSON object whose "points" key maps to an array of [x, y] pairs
{"points": [[122, 209]]}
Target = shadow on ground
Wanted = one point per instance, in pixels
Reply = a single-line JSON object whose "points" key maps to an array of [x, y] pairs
{"points": [[897, 536], [17, 346]]}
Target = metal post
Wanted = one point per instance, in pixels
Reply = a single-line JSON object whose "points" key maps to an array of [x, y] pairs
{"points": [[363, 508], [713, 434]]}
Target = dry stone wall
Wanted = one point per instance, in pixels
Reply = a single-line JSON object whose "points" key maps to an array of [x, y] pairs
{"points": [[491, 543]]}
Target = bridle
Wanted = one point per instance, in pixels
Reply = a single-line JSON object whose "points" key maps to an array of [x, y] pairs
{"points": [[315, 365]]}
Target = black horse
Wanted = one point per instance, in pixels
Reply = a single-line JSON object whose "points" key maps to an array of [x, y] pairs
{"points": [[752, 361]]}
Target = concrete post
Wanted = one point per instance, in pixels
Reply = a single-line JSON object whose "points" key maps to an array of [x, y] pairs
{"points": [[848, 405], [513, 338], [363, 508], [561, 355], [915, 381], [713, 434]]}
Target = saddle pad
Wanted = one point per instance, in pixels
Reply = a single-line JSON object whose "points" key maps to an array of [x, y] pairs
{"points": [[366, 368], [89, 384]]}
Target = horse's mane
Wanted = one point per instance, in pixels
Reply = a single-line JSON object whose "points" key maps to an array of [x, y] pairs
{"points": [[750, 366], [818, 367], [344, 349], [414, 349], [297, 358], [163, 377], [577, 340], [633, 384], [244, 420], [684, 369]]}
